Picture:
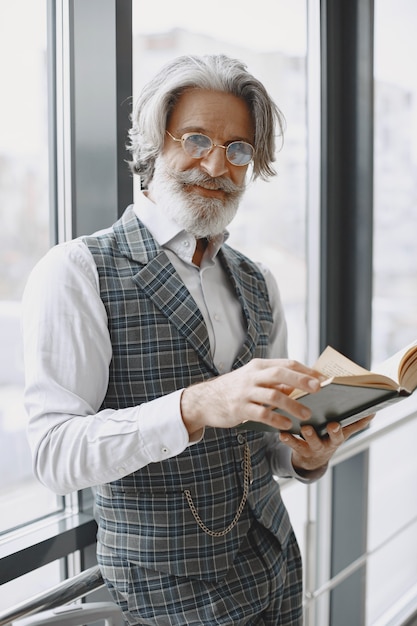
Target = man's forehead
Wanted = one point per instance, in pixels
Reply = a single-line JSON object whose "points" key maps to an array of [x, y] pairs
{"points": [[205, 110]]}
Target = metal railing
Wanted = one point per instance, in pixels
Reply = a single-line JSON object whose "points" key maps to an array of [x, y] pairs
{"points": [[406, 606], [69, 590]]}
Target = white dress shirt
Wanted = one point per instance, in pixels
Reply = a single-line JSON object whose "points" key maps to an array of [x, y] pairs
{"points": [[67, 351]]}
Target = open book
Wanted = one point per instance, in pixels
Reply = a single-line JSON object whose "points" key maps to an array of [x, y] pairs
{"points": [[351, 391]]}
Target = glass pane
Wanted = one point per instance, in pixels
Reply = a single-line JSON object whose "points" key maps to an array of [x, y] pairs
{"points": [[392, 537], [270, 225], [395, 187], [392, 567], [30, 584], [24, 237]]}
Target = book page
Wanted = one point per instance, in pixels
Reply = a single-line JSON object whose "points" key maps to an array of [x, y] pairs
{"points": [[401, 366], [333, 364], [341, 370]]}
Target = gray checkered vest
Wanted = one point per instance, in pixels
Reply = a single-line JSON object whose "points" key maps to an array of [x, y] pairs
{"points": [[160, 344]]}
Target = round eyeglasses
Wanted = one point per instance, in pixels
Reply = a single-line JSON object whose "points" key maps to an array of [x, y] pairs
{"points": [[198, 146]]}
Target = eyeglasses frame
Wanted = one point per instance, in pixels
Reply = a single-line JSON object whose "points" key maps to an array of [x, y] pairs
{"points": [[185, 136]]}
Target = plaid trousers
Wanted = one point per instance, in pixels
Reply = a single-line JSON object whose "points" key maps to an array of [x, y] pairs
{"points": [[262, 588]]}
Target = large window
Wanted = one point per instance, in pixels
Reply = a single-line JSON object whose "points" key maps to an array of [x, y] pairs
{"points": [[392, 524], [395, 171], [271, 223], [24, 237]]}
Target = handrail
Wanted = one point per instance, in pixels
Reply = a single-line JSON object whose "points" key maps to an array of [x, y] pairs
{"points": [[358, 563], [71, 589]]}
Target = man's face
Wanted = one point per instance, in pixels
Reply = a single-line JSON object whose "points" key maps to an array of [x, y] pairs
{"points": [[202, 195]]}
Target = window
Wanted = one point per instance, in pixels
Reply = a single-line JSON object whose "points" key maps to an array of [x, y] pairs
{"points": [[395, 178], [25, 237], [270, 224], [392, 466], [48, 44]]}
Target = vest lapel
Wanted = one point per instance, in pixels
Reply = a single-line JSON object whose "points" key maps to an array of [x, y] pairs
{"points": [[158, 279], [161, 283]]}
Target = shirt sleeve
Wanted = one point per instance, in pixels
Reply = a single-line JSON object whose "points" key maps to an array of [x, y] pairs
{"points": [[67, 351]]}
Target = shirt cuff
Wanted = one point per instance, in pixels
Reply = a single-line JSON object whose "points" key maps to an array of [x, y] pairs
{"points": [[310, 476], [161, 429], [287, 470]]}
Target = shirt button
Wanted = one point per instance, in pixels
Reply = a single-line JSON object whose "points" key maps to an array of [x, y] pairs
{"points": [[186, 244], [216, 317], [164, 450], [241, 439]]}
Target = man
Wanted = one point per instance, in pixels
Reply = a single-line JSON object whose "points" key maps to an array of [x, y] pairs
{"points": [[148, 344]]}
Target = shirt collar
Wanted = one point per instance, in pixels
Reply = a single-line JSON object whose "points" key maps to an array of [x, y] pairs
{"points": [[167, 233]]}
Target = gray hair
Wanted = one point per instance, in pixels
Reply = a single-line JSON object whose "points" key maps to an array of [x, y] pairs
{"points": [[211, 72]]}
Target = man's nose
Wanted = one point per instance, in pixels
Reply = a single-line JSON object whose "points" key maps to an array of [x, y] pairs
{"points": [[215, 163]]}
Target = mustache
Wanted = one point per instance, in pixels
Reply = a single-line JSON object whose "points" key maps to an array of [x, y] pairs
{"points": [[196, 177]]}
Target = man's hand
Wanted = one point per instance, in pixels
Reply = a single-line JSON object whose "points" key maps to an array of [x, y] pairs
{"points": [[250, 393], [312, 453]]}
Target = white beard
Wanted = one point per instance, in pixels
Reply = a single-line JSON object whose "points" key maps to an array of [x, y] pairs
{"points": [[196, 214]]}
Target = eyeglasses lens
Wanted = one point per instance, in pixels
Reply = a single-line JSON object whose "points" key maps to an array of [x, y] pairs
{"points": [[199, 146], [239, 153]]}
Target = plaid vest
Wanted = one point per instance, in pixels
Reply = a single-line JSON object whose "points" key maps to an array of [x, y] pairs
{"points": [[160, 344]]}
